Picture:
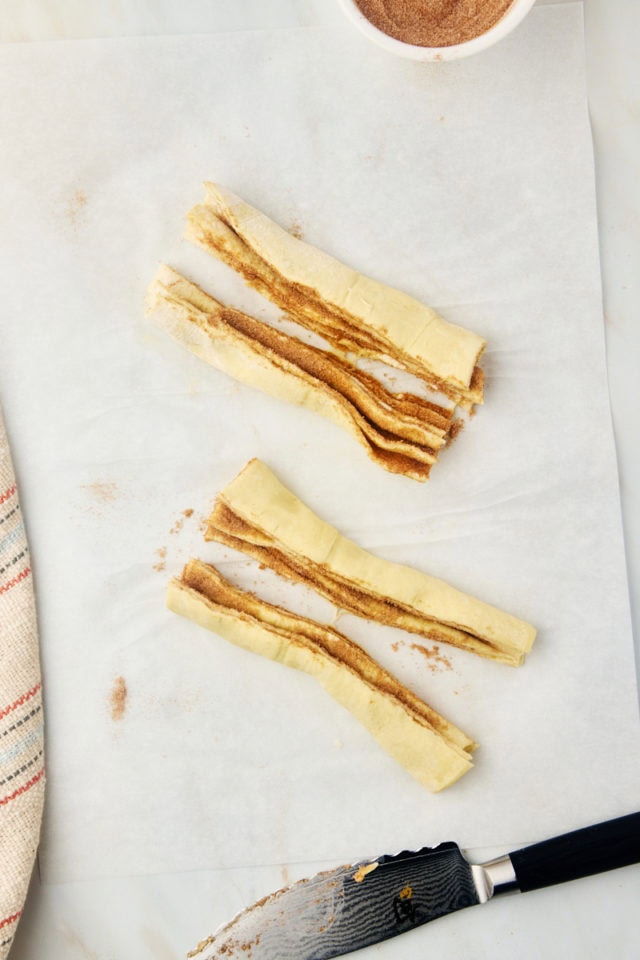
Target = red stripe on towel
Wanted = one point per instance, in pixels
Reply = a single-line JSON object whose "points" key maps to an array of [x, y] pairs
{"points": [[11, 919], [23, 789], [23, 699], [8, 493], [11, 583]]}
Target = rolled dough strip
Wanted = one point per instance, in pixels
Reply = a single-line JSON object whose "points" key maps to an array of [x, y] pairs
{"points": [[400, 431], [434, 751], [256, 513], [349, 309]]}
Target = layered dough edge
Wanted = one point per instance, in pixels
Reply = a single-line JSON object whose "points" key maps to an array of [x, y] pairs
{"points": [[427, 745], [259, 516], [401, 432], [350, 310]]}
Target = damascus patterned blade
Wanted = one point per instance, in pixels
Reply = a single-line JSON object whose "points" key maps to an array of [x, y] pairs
{"points": [[347, 909]]}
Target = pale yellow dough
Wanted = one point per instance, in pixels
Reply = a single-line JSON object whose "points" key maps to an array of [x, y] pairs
{"points": [[258, 514], [172, 303], [409, 333], [400, 432], [430, 748]]}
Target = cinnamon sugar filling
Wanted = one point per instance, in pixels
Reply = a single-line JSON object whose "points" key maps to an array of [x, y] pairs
{"points": [[303, 304], [233, 531], [401, 431], [205, 580]]}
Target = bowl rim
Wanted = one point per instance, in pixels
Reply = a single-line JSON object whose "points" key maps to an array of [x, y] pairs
{"points": [[514, 15]]}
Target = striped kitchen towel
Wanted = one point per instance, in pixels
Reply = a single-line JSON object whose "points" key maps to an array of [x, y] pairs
{"points": [[21, 727]]}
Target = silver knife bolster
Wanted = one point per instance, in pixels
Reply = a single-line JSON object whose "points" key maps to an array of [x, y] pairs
{"points": [[494, 877]]}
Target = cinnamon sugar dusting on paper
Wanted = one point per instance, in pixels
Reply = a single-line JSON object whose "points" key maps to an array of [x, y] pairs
{"points": [[75, 207], [435, 660], [101, 491], [179, 523], [118, 698], [175, 528]]}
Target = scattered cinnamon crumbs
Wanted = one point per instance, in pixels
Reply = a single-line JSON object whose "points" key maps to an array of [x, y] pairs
{"points": [[179, 523], [118, 698], [160, 565], [101, 491], [75, 206], [434, 23], [436, 660]]}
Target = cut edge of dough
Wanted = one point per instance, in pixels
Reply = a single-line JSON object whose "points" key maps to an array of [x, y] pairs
{"points": [[435, 757], [261, 500], [448, 352]]}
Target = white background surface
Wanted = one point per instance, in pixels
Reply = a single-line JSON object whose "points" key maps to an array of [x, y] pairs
{"points": [[157, 916]]}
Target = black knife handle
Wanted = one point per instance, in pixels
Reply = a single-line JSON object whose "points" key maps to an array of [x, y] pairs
{"points": [[605, 846]]}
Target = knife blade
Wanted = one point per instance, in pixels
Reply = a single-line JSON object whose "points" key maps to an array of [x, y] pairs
{"points": [[356, 905]]}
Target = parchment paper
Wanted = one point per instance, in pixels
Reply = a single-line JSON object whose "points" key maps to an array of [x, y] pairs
{"points": [[469, 185]]}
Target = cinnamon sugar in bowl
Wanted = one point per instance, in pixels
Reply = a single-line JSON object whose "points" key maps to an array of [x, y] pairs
{"points": [[436, 29]]}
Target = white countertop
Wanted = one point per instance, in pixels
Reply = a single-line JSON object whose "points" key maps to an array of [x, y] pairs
{"points": [[591, 918]]}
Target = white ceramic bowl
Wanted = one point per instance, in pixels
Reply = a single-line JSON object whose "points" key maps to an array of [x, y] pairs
{"points": [[516, 12]]}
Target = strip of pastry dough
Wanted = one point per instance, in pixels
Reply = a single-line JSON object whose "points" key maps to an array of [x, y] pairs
{"points": [[256, 513], [348, 309], [400, 431], [434, 751]]}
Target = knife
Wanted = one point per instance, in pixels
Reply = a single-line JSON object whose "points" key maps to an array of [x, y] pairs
{"points": [[354, 906]]}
